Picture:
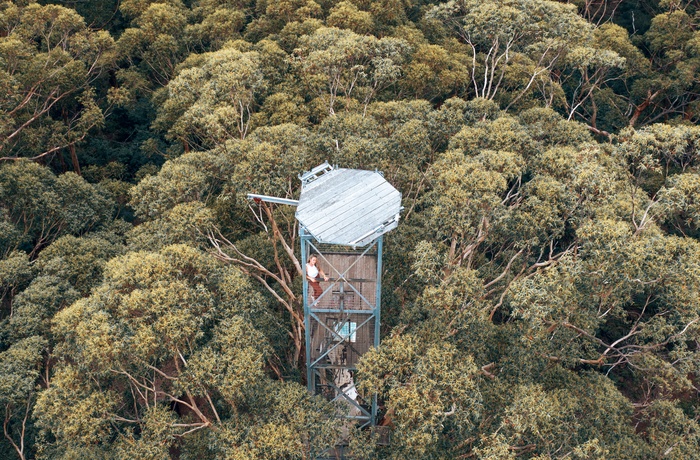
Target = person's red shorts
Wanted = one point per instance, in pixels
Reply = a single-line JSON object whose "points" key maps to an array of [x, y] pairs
{"points": [[316, 286]]}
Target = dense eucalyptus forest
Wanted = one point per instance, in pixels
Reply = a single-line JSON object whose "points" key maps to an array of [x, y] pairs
{"points": [[541, 296]]}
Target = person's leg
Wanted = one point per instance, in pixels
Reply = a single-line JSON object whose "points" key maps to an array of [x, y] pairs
{"points": [[316, 286]]}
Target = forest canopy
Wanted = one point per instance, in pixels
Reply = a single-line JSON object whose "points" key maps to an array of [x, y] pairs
{"points": [[540, 297]]}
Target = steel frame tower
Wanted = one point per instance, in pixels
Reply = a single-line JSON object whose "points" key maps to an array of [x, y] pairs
{"points": [[328, 367], [343, 215]]}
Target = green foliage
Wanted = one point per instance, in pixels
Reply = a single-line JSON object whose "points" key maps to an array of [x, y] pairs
{"points": [[177, 313], [34, 307], [214, 100], [185, 223], [15, 272], [434, 73], [220, 21], [269, 157], [20, 367], [19, 370], [431, 394], [540, 296], [346, 15], [49, 61], [286, 423], [153, 44], [338, 63], [39, 206], [80, 261], [154, 441]]}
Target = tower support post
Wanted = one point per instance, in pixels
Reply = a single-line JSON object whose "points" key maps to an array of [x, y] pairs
{"points": [[342, 323], [310, 378]]}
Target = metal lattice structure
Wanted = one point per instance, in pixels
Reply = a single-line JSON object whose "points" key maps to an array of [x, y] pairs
{"points": [[343, 215], [343, 323]]}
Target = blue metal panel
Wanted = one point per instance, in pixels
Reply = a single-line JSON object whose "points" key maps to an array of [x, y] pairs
{"points": [[303, 237], [377, 314]]}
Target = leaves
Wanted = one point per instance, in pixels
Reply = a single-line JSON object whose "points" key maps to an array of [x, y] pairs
{"points": [[540, 296]]}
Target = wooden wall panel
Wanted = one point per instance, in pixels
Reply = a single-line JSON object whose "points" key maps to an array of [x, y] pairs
{"points": [[360, 273]]}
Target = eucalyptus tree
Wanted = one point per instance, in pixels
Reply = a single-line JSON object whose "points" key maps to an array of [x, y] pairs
{"points": [[164, 353], [213, 98], [38, 206], [49, 64], [540, 295], [505, 36], [20, 368], [346, 15], [670, 88], [284, 17], [269, 162], [335, 63], [200, 197], [534, 50], [435, 71], [155, 44], [217, 21], [561, 285]]}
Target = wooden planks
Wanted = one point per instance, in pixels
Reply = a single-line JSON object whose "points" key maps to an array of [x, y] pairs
{"points": [[345, 205], [363, 269], [355, 267]]}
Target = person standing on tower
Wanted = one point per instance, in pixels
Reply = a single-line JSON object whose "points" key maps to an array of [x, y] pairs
{"points": [[312, 272]]}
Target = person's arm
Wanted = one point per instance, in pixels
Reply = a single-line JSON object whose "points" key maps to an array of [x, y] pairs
{"points": [[325, 278]]}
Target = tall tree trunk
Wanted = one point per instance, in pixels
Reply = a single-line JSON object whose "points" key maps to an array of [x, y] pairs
{"points": [[641, 107], [74, 159], [62, 161]]}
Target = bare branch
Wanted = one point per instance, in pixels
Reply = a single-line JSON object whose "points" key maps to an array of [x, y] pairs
{"points": [[485, 369]]}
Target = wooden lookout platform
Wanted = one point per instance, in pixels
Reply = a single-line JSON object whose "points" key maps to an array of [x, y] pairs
{"points": [[343, 215]]}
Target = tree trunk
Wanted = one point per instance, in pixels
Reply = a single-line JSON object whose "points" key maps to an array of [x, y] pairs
{"points": [[641, 107], [74, 159], [62, 161]]}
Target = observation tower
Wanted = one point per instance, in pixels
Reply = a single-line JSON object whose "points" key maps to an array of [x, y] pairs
{"points": [[343, 215]]}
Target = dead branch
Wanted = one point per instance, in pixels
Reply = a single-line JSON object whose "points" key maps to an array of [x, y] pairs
{"points": [[485, 369]]}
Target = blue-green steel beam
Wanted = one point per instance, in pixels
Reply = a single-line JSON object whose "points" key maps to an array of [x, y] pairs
{"points": [[352, 312], [303, 237], [377, 313], [312, 367]]}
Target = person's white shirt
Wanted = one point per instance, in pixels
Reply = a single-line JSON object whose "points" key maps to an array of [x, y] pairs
{"points": [[312, 271]]}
